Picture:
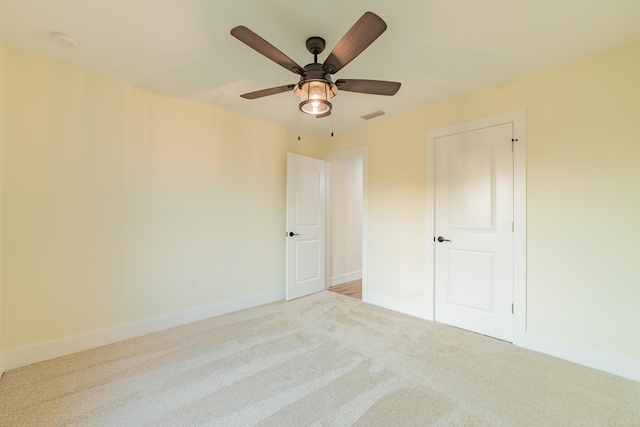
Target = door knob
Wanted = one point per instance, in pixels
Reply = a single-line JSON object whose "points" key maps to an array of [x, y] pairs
{"points": [[291, 234], [442, 239]]}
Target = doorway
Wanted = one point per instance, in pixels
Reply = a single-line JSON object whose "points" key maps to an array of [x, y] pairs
{"points": [[345, 222]]}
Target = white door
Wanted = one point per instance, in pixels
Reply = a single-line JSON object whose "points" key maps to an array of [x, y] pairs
{"points": [[474, 234], [305, 226]]}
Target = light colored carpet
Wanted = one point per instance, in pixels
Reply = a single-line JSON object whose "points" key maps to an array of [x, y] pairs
{"points": [[325, 359]]}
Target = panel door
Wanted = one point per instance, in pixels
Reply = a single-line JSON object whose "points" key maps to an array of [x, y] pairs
{"points": [[305, 226], [474, 235]]}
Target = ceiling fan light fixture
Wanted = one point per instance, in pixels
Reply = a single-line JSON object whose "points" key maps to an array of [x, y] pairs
{"points": [[315, 95], [315, 88]]}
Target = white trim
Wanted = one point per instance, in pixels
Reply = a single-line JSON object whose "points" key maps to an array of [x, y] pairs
{"points": [[345, 278], [64, 346], [345, 154], [593, 359], [520, 226], [430, 227], [518, 118], [604, 362], [401, 306], [2, 108]]}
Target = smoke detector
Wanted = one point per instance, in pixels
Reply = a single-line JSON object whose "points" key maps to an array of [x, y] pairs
{"points": [[65, 40]]}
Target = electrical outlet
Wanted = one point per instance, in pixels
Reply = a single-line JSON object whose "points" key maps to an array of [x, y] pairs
{"points": [[357, 255], [381, 218], [193, 282], [403, 276]]}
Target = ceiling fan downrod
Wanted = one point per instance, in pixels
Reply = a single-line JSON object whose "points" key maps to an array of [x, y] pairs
{"points": [[315, 46]]}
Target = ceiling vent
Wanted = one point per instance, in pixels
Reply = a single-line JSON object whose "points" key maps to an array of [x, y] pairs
{"points": [[229, 101], [372, 115]]}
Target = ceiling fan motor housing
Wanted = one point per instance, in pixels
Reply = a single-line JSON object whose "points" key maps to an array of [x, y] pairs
{"points": [[315, 45]]}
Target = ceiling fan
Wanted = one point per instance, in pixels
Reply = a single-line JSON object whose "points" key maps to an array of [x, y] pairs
{"points": [[315, 88]]}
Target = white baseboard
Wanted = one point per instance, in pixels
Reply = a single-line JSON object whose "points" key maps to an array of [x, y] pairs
{"points": [[37, 353], [604, 362], [412, 309], [344, 278], [64, 346]]}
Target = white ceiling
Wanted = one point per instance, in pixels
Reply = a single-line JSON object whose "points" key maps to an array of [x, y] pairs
{"points": [[437, 49]]}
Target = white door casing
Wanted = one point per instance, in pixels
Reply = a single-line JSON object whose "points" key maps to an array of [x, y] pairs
{"points": [[363, 153], [473, 218], [305, 219]]}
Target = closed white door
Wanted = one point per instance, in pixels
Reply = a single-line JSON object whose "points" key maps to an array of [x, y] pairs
{"points": [[474, 234], [305, 226]]}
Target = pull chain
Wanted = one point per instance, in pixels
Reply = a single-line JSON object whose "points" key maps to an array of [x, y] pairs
{"points": [[332, 126]]}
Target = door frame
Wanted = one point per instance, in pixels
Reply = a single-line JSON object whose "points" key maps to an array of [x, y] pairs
{"points": [[518, 118], [341, 155]]}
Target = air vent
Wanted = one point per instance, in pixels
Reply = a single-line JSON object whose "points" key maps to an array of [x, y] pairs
{"points": [[229, 101], [372, 115]]}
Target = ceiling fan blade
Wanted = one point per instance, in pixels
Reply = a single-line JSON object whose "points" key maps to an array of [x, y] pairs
{"points": [[262, 46], [364, 32], [267, 92], [319, 116], [373, 87]]}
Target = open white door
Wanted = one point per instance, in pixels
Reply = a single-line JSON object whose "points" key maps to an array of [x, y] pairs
{"points": [[305, 226], [474, 234]]}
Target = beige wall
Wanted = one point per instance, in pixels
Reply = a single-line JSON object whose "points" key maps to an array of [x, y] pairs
{"points": [[115, 197], [583, 202]]}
